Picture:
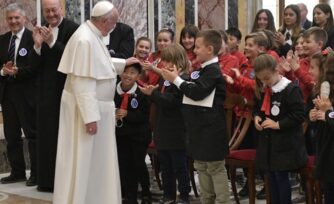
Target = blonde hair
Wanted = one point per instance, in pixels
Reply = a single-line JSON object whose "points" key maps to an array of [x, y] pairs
{"points": [[177, 55]]}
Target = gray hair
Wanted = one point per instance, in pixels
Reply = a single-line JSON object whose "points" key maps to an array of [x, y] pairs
{"points": [[15, 7]]}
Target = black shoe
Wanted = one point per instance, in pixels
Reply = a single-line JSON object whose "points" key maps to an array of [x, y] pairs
{"points": [[244, 191], [32, 181], [167, 201], [12, 179], [44, 189], [261, 195]]}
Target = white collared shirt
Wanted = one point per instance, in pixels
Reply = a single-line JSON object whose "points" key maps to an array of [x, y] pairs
{"points": [[17, 42], [211, 61]]}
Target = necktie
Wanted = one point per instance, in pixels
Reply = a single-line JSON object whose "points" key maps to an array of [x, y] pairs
{"points": [[287, 36], [11, 50], [125, 101], [266, 101]]}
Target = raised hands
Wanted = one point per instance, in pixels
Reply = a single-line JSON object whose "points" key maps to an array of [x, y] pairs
{"points": [[42, 34], [9, 68]]}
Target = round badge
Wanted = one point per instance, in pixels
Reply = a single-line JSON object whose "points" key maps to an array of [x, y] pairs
{"points": [[23, 52], [134, 103], [252, 74], [331, 114], [166, 83], [194, 75], [275, 110]]}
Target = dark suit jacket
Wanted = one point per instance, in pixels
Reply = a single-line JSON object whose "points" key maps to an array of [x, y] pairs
{"points": [[22, 85], [307, 24], [122, 42]]}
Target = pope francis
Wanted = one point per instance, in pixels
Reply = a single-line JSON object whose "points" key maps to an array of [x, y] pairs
{"points": [[86, 166]]}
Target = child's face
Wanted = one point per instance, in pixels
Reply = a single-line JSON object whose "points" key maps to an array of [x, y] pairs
{"points": [[163, 40], [310, 46], [268, 77], [129, 77], [290, 17], [232, 42], [320, 18], [262, 20], [251, 49], [299, 46], [314, 69], [223, 49], [143, 49], [203, 52], [188, 42]]}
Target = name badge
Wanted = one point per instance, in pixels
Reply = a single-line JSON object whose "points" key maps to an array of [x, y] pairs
{"points": [[275, 110], [134, 103], [166, 83], [194, 75], [331, 114], [23, 52]]}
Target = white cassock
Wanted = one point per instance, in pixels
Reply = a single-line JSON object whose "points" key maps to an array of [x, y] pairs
{"points": [[87, 167]]}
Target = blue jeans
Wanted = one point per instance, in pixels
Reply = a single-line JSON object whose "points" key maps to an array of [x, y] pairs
{"points": [[280, 188], [173, 164]]}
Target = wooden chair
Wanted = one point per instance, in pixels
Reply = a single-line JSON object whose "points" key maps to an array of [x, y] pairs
{"points": [[240, 158]]}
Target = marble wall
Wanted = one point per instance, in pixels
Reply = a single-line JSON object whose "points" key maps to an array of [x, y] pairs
{"points": [[211, 14], [28, 5]]}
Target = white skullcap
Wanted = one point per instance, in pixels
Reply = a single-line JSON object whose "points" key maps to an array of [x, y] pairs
{"points": [[102, 8]]}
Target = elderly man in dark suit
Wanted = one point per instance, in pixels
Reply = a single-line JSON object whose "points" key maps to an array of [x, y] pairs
{"points": [[49, 43], [17, 95], [121, 41]]}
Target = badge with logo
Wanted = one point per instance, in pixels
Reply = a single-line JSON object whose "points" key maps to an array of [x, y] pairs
{"points": [[194, 75], [23, 52], [166, 83], [134, 103], [331, 114], [275, 110]]}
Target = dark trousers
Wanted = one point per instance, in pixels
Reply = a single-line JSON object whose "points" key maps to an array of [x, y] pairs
{"points": [[17, 114], [132, 167], [328, 189], [173, 164], [280, 188]]}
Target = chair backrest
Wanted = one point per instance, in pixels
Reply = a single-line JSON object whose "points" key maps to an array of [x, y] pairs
{"points": [[236, 132]]}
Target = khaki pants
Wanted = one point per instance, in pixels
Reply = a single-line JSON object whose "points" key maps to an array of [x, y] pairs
{"points": [[213, 182]]}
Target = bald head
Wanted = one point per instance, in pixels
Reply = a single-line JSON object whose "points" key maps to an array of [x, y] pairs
{"points": [[52, 12]]}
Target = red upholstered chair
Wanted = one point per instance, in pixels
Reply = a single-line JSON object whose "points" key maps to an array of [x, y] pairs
{"points": [[240, 158]]}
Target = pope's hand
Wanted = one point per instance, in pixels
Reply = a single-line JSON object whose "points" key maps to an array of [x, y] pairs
{"points": [[91, 128], [131, 60]]}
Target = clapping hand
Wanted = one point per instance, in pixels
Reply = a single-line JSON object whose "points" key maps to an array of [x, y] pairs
{"points": [[37, 37], [293, 60], [322, 103], [9, 68], [147, 90]]}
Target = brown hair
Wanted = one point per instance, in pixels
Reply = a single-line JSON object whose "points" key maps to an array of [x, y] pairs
{"points": [[319, 34], [263, 62], [259, 39], [212, 38], [177, 55], [329, 76], [143, 38], [321, 60]]}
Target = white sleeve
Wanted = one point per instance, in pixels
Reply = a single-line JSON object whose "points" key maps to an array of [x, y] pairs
{"points": [[84, 90], [119, 65]]}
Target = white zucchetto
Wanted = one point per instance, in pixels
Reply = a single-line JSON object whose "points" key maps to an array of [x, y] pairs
{"points": [[102, 8]]}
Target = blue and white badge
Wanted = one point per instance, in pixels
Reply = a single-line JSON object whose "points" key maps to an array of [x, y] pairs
{"points": [[166, 83], [134, 103], [194, 75], [23, 52], [331, 114], [252, 74]]}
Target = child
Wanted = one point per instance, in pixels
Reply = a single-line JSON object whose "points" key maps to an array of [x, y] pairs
{"points": [[133, 135], [234, 39], [314, 40], [225, 59], [153, 64], [169, 131], [143, 48], [142, 51], [279, 119], [187, 40], [206, 126], [324, 116]]}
